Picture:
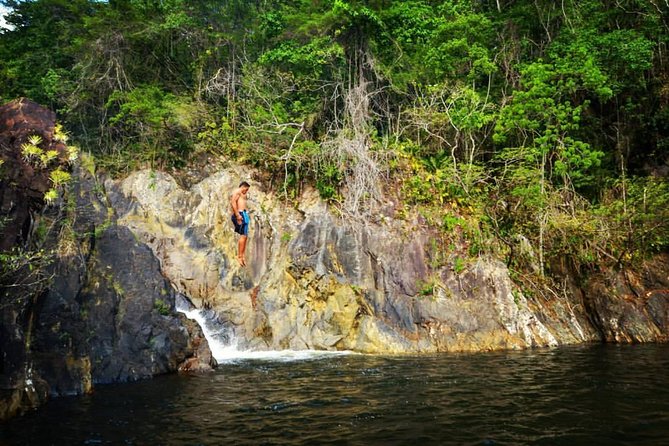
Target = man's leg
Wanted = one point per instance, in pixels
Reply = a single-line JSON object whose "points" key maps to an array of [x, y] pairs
{"points": [[241, 250]]}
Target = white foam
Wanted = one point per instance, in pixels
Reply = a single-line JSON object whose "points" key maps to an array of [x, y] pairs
{"points": [[224, 347], [231, 355]]}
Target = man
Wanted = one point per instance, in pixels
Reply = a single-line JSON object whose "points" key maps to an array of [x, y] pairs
{"points": [[240, 218]]}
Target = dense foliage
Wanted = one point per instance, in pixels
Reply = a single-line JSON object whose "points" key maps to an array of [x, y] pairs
{"points": [[506, 123]]}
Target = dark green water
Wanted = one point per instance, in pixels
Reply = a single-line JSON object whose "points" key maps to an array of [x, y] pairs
{"points": [[597, 395]]}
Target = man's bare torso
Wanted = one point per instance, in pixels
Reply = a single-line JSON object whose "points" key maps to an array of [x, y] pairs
{"points": [[240, 199]]}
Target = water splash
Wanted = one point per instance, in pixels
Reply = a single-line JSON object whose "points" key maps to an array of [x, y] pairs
{"points": [[224, 346], [230, 355]]}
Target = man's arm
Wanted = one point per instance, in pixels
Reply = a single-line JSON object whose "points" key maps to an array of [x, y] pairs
{"points": [[233, 204]]}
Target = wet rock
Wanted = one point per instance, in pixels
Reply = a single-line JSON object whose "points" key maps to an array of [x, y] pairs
{"points": [[201, 361]]}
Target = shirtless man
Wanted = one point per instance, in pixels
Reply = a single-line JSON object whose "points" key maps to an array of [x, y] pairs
{"points": [[240, 218]]}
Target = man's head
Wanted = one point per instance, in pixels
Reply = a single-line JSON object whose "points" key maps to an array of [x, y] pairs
{"points": [[244, 186]]}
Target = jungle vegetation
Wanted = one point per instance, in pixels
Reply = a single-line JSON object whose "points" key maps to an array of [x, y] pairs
{"points": [[534, 130]]}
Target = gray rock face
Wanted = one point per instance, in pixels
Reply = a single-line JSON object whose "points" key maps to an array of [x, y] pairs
{"points": [[107, 316], [318, 281], [137, 333]]}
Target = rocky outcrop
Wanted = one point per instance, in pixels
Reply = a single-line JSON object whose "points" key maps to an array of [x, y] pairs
{"points": [[103, 312], [325, 282]]}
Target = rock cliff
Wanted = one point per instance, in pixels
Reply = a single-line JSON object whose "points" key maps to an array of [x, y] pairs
{"points": [[319, 281]]}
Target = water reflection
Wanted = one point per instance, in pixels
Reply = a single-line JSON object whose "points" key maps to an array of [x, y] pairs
{"points": [[567, 396]]}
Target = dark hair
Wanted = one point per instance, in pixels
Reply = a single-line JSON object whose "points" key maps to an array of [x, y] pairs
{"points": [[244, 184]]}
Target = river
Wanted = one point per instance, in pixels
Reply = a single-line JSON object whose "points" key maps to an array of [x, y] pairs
{"points": [[591, 395]]}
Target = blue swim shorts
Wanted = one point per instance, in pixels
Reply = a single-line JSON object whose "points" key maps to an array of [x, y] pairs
{"points": [[242, 229]]}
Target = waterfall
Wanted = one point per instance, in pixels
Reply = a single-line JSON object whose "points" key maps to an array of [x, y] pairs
{"points": [[221, 339], [224, 345]]}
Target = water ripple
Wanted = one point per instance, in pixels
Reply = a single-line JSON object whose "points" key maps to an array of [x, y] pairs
{"points": [[567, 396]]}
